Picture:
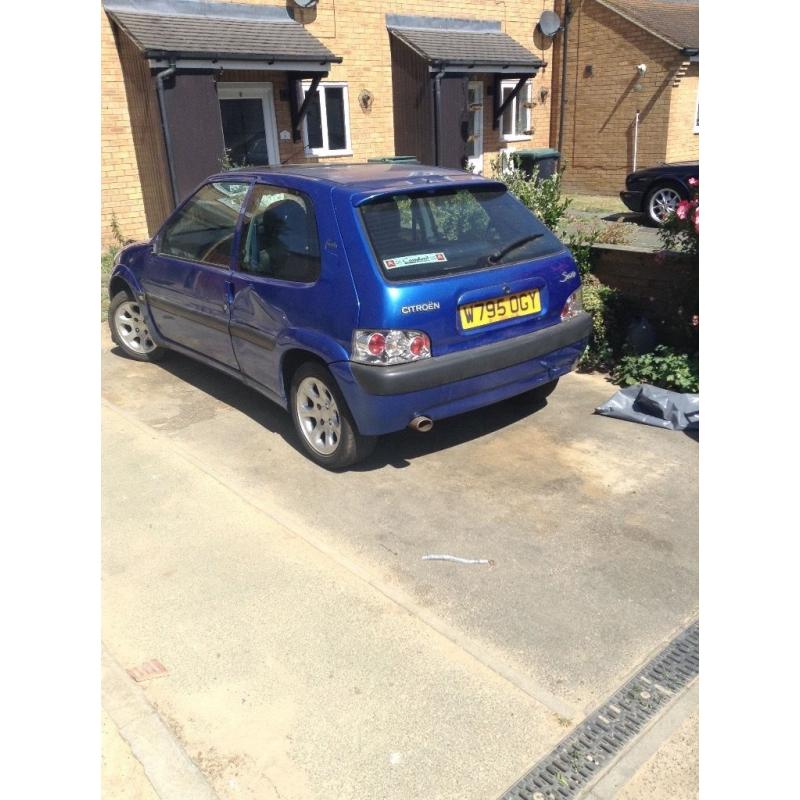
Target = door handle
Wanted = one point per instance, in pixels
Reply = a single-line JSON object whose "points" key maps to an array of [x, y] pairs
{"points": [[229, 293]]}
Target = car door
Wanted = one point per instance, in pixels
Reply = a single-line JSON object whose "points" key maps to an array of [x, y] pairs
{"points": [[187, 277], [276, 284]]}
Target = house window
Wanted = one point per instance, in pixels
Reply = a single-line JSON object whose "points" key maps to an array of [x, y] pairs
{"points": [[517, 116], [326, 128]]}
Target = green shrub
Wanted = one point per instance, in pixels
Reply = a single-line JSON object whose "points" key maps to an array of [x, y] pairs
{"points": [[580, 244], [608, 316], [581, 239], [106, 266], [664, 367], [107, 263], [226, 163], [543, 196]]}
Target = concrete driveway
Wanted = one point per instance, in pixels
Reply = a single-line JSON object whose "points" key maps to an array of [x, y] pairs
{"points": [[313, 653]]}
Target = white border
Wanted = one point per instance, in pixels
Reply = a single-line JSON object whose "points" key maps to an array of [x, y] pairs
{"points": [[324, 150], [257, 91], [527, 90], [476, 162]]}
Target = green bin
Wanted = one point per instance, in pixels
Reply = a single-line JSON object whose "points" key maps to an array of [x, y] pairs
{"points": [[545, 158]]}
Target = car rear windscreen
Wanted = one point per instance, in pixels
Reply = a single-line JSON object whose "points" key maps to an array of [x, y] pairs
{"points": [[434, 232]]}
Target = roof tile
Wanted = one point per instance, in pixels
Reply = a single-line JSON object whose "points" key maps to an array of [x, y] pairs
{"points": [[206, 37], [677, 21], [464, 47]]}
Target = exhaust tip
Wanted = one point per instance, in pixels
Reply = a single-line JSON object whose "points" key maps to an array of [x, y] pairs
{"points": [[421, 424]]}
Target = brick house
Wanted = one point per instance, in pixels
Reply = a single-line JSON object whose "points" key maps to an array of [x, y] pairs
{"points": [[607, 41], [184, 82]]}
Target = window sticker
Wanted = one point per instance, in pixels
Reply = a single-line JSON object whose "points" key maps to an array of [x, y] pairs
{"points": [[408, 261]]}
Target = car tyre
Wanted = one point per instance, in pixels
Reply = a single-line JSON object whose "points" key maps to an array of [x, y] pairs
{"points": [[324, 424], [130, 329], [660, 200], [537, 396]]}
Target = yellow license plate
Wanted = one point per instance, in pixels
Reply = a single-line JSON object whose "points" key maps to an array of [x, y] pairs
{"points": [[487, 312]]}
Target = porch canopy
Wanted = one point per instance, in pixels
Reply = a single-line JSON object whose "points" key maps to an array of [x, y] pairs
{"points": [[202, 36], [195, 34], [464, 46]]}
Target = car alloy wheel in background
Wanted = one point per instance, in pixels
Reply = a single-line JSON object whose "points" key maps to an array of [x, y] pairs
{"points": [[661, 203]]}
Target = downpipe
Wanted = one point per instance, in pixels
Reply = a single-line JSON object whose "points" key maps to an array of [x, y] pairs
{"points": [[421, 424], [437, 117], [162, 109], [563, 99]]}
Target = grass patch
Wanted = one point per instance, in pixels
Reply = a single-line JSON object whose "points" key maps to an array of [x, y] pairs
{"points": [[600, 203]]}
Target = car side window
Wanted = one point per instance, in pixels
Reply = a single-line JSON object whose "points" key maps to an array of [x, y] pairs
{"points": [[203, 230], [279, 237]]}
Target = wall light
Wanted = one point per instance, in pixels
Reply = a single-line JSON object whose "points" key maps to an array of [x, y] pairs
{"points": [[365, 99]]}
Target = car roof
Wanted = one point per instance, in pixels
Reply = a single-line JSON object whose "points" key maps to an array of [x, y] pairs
{"points": [[358, 178]]}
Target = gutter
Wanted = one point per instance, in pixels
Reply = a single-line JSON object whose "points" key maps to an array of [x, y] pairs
{"points": [[160, 78]]}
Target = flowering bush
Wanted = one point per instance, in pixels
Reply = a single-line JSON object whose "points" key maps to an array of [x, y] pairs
{"points": [[681, 229]]}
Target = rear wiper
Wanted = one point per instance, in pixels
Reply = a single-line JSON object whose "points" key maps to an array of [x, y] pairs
{"points": [[495, 257]]}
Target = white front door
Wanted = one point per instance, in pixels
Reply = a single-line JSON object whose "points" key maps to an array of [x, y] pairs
{"points": [[475, 127], [248, 123]]}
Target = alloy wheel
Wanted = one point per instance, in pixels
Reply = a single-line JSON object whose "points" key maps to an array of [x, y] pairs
{"points": [[662, 203], [131, 327], [318, 415]]}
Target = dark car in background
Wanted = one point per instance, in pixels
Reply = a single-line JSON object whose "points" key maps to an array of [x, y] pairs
{"points": [[656, 191]]}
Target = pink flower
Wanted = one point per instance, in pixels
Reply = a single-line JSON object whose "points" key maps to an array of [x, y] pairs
{"points": [[696, 219], [682, 211], [693, 182]]}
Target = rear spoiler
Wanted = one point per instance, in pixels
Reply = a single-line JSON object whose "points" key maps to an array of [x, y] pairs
{"points": [[430, 187]]}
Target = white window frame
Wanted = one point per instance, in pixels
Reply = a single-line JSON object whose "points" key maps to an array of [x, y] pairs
{"points": [[325, 150], [256, 91], [524, 96], [476, 161]]}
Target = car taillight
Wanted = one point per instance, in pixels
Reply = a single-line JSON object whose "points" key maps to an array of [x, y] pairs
{"points": [[376, 344], [573, 306], [390, 346]]}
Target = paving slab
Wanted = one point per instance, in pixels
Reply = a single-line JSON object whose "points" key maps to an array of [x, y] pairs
{"points": [[122, 775], [591, 523], [673, 772], [288, 676]]}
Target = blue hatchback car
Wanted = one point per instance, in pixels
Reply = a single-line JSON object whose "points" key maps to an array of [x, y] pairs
{"points": [[363, 298]]}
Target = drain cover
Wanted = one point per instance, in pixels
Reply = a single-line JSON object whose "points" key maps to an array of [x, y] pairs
{"points": [[562, 773]]}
